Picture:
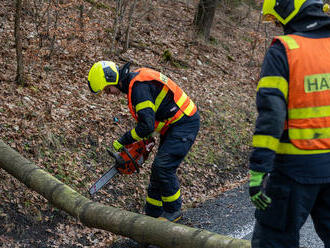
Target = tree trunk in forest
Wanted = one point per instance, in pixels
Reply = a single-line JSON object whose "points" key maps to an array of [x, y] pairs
{"points": [[141, 228], [204, 17], [20, 78], [130, 17]]}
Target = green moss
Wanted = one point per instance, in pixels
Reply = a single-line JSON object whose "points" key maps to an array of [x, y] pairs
{"points": [[214, 41], [167, 56]]}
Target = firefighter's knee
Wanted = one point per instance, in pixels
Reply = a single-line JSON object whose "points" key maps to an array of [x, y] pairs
{"points": [[159, 173]]}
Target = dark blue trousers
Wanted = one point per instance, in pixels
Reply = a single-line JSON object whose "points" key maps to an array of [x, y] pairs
{"points": [[292, 203], [164, 188]]}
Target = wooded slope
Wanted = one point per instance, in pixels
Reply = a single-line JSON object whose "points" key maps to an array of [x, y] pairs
{"points": [[56, 122]]}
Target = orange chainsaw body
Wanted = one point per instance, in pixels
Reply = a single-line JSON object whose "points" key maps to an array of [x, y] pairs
{"points": [[138, 153]]}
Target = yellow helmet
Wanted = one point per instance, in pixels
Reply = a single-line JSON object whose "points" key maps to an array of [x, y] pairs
{"points": [[101, 74], [285, 10]]}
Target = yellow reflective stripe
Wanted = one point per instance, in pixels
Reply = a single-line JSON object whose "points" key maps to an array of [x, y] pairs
{"points": [[160, 126], [160, 97], [290, 149], [143, 105], [134, 135], [265, 141], [312, 112], [309, 133], [171, 198], [163, 78], [279, 83], [177, 119], [190, 108], [154, 202], [291, 42], [182, 99]]}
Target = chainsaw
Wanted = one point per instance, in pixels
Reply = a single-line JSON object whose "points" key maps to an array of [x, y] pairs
{"points": [[127, 161]]}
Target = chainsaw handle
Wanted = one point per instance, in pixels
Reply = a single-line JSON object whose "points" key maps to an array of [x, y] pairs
{"points": [[111, 154], [132, 159], [117, 157]]}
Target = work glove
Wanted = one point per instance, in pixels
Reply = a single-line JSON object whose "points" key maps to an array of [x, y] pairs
{"points": [[117, 146], [257, 189]]}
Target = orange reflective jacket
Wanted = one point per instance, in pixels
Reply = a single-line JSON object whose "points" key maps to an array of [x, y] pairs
{"points": [[309, 91], [186, 106]]}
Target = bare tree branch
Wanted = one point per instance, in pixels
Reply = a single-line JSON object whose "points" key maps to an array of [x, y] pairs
{"points": [[131, 11], [20, 78]]}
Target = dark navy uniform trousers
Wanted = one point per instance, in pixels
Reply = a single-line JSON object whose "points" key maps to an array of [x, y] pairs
{"points": [[292, 202], [164, 188]]}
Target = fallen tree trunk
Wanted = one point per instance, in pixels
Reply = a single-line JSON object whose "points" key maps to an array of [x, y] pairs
{"points": [[141, 228]]}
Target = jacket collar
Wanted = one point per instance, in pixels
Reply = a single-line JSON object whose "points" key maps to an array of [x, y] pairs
{"points": [[311, 18]]}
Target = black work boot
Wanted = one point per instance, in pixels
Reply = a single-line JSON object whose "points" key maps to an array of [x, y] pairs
{"points": [[173, 217], [153, 211]]}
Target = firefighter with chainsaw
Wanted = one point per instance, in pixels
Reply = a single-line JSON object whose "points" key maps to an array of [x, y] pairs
{"points": [[290, 161], [157, 104]]}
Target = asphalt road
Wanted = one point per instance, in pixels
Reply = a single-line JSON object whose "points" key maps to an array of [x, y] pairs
{"points": [[231, 214]]}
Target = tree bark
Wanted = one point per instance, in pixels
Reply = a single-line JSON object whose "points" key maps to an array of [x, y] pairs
{"points": [[130, 17], [20, 78], [143, 229], [204, 17]]}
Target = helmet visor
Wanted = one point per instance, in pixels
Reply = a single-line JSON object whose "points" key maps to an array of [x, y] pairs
{"points": [[110, 75]]}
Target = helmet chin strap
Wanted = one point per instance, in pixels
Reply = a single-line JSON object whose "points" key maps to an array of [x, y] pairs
{"points": [[119, 85], [123, 74], [123, 71]]}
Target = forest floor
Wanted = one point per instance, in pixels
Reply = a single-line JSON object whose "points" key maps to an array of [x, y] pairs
{"points": [[58, 124]]}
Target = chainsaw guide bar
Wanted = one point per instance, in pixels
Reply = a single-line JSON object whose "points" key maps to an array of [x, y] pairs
{"points": [[103, 180]]}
